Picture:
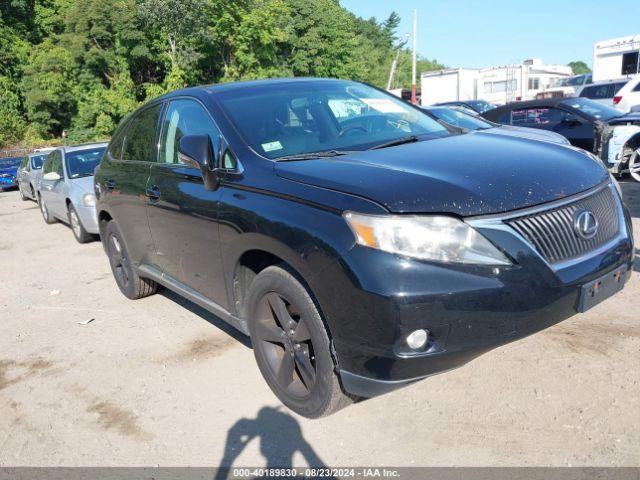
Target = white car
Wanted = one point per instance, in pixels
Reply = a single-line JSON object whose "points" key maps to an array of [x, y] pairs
{"points": [[628, 96]]}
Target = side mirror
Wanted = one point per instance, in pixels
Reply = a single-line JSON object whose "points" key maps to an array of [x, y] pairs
{"points": [[197, 151], [52, 176]]}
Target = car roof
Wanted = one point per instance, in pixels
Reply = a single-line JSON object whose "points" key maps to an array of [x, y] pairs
{"points": [[85, 146], [607, 82], [226, 87]]}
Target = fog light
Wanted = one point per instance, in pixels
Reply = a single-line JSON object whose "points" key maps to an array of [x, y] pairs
{"points": [[417, 339]]}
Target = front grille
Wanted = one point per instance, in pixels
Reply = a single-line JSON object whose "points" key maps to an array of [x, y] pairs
{"points": [[552, 231]]}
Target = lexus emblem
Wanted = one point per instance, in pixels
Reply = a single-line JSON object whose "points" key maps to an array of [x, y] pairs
{"points": [[586, 224]]}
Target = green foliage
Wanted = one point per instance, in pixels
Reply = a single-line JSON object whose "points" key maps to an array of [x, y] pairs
{"points": [[579, 67], [80, 66]]}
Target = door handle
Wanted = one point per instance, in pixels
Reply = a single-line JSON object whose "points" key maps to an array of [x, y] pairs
{"points": [[153, 192], [110, 184]]}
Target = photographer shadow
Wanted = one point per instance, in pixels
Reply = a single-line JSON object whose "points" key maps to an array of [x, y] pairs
{"points": [[280, 438]]}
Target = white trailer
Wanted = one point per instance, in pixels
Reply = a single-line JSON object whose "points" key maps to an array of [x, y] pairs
{"points": [[448, 85], [616, 58]]}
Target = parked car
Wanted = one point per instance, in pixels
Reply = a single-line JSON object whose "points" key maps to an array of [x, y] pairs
{"points": [[457, 117], [65, 191], [479, 106], [604, 131], [9, 172], [603, 92], [627, 99], [29, 174], [361, 244]]}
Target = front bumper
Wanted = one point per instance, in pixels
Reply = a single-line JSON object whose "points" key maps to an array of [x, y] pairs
{"points": [[7, 183], [89, 218], [372, 300]]}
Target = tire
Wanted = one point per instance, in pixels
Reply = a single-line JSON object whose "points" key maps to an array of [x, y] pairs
{"points": [[129, 282], [634, 165], [23, 197], [48, 218], [291, 345], [80, 234]]}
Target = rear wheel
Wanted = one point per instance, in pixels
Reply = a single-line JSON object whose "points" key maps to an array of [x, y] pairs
{"points": [[48, 218], [291, 345], [634, 165], [82, 236], [130, 283]]}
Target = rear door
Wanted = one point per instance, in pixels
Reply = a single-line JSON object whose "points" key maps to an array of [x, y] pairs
{"points": [[183, 215], [123, 176]]}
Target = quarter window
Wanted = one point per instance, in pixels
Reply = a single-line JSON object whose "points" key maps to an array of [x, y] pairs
{"points": [[139, 141], [184, 117]]}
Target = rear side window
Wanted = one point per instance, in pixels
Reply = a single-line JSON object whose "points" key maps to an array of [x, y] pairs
{"points": [[139, 142], [538, 117], [115, 147]]}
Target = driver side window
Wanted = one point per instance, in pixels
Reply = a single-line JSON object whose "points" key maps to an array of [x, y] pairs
{"points": [[185, 117]]}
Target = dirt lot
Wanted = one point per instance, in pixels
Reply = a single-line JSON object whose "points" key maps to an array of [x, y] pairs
{"points": [[162, 382]]}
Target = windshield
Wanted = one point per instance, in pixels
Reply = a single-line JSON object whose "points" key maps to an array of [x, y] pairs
{"points": [[82, 163], [296, 118], [458, 118], [37, 161], [13, 162], [595, 110]]}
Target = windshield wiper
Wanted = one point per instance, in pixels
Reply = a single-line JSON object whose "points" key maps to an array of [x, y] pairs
{"points": [[397, 141], [312, 155]]}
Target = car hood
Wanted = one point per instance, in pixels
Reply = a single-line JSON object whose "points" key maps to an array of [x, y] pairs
{"points": [[83, 183], [530, 133], [633, 117], [464, 175], [11, 170]]}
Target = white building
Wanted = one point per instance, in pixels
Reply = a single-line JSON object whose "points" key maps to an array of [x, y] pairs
{"points": [[498, 85], [616, 58]]}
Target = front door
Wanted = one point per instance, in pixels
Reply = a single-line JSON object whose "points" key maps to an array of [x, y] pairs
{"points": [[183, 215], [52, 191]]}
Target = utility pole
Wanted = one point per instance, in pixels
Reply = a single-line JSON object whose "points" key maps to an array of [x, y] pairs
{"points": [[414, 73]]}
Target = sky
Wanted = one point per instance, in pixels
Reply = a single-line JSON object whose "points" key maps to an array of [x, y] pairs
{"points": [[483, 33]]}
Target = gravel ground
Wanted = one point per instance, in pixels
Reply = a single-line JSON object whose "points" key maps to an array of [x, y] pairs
{"points": [[162, 382]]}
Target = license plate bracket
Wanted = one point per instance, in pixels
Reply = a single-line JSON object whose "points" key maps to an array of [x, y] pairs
{"points": [[600, 289]]}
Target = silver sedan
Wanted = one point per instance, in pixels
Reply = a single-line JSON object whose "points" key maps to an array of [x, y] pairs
{"points": [[65, 191], [29, 173]]}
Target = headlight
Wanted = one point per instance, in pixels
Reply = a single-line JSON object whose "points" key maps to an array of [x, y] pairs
{"points": [[438, 238], [89, 200]]}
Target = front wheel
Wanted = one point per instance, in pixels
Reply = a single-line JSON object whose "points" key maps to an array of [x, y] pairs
{"points": [[291, 345], [48, 218], [130, 283], [22, 195], [81, 235], [634, 165]]}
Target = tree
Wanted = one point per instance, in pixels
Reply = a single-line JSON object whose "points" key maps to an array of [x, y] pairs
{"points": [[579, 67], [180, 23]]}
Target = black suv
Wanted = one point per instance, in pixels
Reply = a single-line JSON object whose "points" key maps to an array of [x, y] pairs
{"points": [[361, 244]]}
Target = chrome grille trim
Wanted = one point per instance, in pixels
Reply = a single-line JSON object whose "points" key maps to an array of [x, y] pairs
{"points": [[551, 231]]}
